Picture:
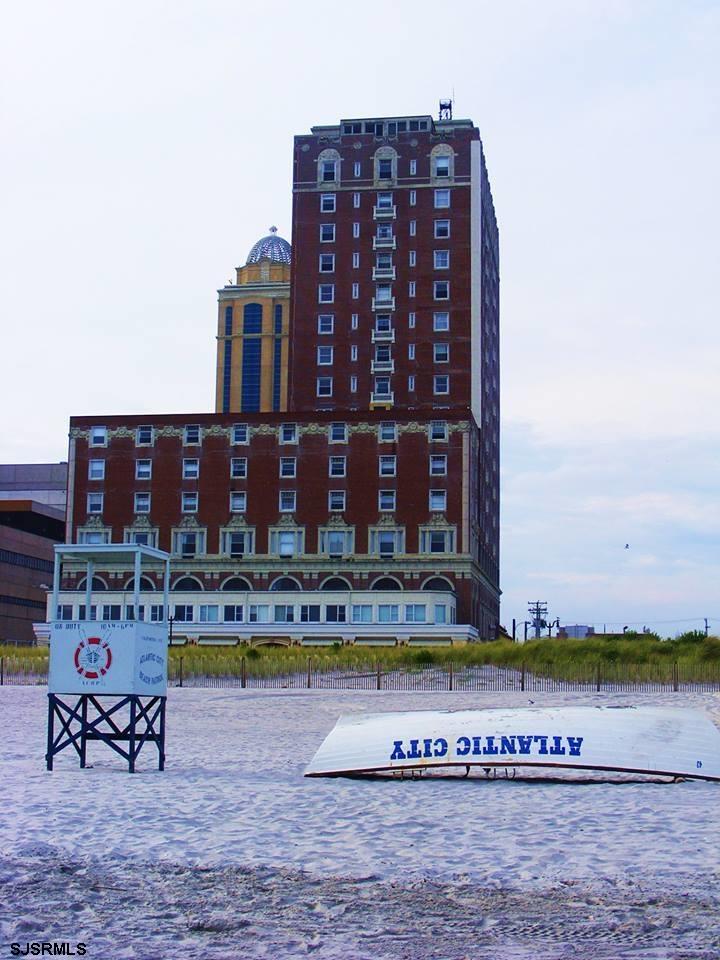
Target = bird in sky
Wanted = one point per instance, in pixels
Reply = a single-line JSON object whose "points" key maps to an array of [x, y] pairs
{"points": [[627, 546]]}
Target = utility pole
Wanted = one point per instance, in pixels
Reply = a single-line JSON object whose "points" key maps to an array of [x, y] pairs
{"points": [[538, 613], [707, 627]]}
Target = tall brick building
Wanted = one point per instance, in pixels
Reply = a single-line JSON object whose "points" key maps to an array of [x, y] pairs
{"points": [[367, 510]]}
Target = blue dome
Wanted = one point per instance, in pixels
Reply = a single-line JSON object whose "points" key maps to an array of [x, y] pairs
{"points": [[272, 247]]}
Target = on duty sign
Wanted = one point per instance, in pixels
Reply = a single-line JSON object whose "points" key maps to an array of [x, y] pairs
{"points": [[108, 656]]}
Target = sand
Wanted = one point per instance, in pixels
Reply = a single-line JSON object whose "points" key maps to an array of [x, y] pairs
{"points": [[232, 853]]}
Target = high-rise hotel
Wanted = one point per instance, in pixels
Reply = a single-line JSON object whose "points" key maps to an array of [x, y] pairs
{"points": [[346, 489]]}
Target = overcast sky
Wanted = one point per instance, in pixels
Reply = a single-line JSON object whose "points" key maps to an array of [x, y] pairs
{"points": [[147, 145]]}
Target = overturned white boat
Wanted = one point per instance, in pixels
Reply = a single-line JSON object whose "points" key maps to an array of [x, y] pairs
{"points": [[638, 740]]}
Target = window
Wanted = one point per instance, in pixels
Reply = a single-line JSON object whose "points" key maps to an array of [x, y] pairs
{"points": [[440, 613], [327, 203], [442, 229], [259, 613], [441, 289], [337, 466], [388, 612], [438, 500], [143, 436], [436, 541], [441, 259], [64, 612], [209, 613], [327, 262], [238, 468], [284, 613], [353, 353], [383, 292], [286, 543], [387, 466], [383, 261], [96, 469], [387, 432], [326, 292], [384, 231], [386, 499], [142, 503], [191, 469], [415, 613], [327, 233], [94, 503], [413, 168], [411, 383], [188, 543], [146, 538], [288, 433], [438, 464], [240, 433], [336, 500], [183, 613], [336, 543], [338, 433], [287, 501], [382, 322], [356, 260], [310, 613], [93, 536], [382, 353], [442, 166], [324, 386], [238, 501], [353, 384], [356, 168], [413, 258], [382, 386], [411, 319], [81, 612], [335, 613], [441, 385], [356, 200], [411, 288], [411, 351], [288, 467], [98, 436], [413, 228], [143, 469], [384, 201], [237, 543], [192, 434], [413, 197], [442, 199], [326, 323], [441, 321], [328, 171], [324, 356], [386, 542], [441, 352], [438, 430], [356, 230], [355, 291], [189, 502], [233, 613], [362, 613]]}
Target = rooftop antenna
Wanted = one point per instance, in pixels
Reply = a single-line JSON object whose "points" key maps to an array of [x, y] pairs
{"points": [[445, 110]]}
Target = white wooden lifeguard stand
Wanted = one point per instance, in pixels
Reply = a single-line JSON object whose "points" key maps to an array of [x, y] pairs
{"points": [[108, 678]]}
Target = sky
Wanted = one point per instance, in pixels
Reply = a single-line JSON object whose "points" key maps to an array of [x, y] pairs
{"points": [[147, 146]]}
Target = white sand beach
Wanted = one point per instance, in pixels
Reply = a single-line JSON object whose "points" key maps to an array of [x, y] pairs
{"points": [[232, 853]]}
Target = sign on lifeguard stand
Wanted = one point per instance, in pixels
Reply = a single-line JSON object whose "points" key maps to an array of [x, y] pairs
{"points": [[108, 678]]}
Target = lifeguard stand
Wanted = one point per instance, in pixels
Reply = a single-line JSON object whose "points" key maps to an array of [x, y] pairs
{"points": [[108, 678]]}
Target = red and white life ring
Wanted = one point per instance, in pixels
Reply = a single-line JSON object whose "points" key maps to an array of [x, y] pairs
{"points": [[93, 658]]}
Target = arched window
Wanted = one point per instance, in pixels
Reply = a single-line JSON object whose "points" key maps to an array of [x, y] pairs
{"points": [[385, 164], [97, 584], [442, 162], [335, 583], [187, 583], [145, 584], [386, 583], [328, 167], [438, 583], [285, 583], [235, 584]]}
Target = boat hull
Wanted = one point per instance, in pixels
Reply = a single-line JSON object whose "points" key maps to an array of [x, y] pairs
{"points": [[630, 740]]}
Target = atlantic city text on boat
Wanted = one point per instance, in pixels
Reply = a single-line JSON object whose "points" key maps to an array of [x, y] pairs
{"points": [[489, 746]]}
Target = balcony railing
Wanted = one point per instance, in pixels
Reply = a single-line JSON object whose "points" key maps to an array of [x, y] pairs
{"points": [[382, 366], [384, 243], [388, 305], [385, 213], [383, 336], [382, 399], [383, 273]]}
